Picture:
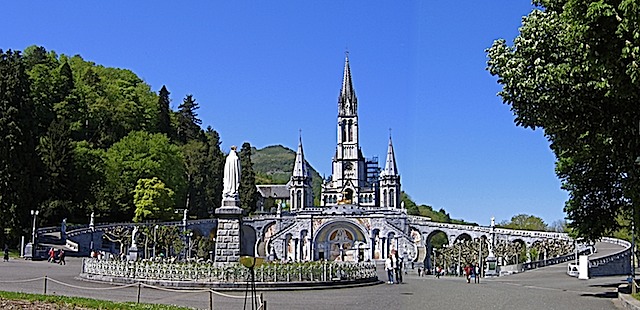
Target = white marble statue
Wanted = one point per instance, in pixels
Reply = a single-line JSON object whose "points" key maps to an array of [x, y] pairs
{"points": [[231, 181]]}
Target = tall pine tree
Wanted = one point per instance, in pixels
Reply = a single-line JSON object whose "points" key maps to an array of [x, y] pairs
{"points": [[188, 121], [164, 113], [19, 164], [215, 170], [248, 191]]}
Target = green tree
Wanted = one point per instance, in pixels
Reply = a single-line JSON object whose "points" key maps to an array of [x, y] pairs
{"points": [[215, 170], [525, 222], [412, 208], [141, 155], [574, 71], [248, 190], [153, 200], [20, 167], [56, 153], [89, 179], [164, 113], [195, 167], [188, 127]]}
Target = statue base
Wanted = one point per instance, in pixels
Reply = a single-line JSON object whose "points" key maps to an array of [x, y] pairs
{"points": [[228, 232], [491, 268], [133, 253]]}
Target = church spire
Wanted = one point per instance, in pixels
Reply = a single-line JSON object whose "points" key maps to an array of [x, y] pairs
{"points": [[390, 168], [347, 102], [299, 168]]}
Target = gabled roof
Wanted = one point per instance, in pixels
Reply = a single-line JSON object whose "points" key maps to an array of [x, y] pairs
{"points": [[279, 191]]}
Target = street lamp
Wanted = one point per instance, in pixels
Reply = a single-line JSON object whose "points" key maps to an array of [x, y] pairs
{"points": [[33, 233], [458, 271], [189, 235], [155, 228]]}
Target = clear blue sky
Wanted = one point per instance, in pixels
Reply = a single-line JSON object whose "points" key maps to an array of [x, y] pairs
{"points": [[262, 70]]}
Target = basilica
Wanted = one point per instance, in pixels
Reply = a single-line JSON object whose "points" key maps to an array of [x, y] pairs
{"points": [[360, 216]]}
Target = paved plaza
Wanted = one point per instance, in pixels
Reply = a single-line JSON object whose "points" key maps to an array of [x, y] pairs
{"points": [[545, 288]]}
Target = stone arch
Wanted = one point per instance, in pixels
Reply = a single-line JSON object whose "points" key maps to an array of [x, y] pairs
{"points": [[384, 198], [429, 248], [392, 198], [248, 241], [337, 240], [523, 252], [462, 237], [304, 246], [348, 195], [376, 244], [263, 247]]}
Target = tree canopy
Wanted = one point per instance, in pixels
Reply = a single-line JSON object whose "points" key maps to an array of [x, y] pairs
{"points": [[573, 71], [525, 222], [77, 137]]}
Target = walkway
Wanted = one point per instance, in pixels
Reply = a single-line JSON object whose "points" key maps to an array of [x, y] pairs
{"points": [[544, 288]]}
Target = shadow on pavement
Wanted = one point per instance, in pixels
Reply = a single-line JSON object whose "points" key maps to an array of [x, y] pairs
{"points": [[602, 295]]}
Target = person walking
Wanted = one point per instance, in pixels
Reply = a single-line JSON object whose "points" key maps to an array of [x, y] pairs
{"points": [[397, 266], [467, 273], [6, 253], [477, 272], [388, 266], [52, 256], [61, 257]]}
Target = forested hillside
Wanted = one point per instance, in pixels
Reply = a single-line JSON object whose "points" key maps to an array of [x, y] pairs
{"points": [[77, 138]]}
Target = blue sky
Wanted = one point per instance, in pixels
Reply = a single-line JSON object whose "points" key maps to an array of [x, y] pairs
{"points": [[263, 70]]}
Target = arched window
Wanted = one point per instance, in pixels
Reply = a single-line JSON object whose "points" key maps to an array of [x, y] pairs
{"points": [[384, 198], [392, 199], [350, 131], [343, 130], [299, 199]]}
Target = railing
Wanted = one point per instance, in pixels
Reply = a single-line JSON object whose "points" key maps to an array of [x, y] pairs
{"points": [[205, 272]]}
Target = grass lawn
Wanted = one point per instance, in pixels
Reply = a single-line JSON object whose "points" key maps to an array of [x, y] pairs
{"points": [[39, 301]]}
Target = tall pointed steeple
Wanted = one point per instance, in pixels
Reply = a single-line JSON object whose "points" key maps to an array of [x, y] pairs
{"points": [[390, 168], [300, 190], [300, 168], [347, 102], [390, 181]]}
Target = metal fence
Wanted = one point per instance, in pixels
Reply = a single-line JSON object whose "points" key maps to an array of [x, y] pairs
{"points": [[207, 272]]}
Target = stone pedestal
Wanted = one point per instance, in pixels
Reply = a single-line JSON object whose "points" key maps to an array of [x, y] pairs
{"points": [[491, 269], [134, 253], [28, 251], [228, 236]]}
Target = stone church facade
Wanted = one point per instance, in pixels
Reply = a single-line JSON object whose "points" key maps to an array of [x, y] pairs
{"points": [[360, 216]]}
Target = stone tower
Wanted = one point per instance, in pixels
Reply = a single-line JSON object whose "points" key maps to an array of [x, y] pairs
{"points": [[300, 188], [390, 181], [348, 167]]}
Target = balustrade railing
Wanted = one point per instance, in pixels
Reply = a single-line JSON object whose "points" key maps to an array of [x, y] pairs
{"points": [[206, 272]]}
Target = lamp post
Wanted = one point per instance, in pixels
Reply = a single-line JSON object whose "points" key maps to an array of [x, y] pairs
{"points": [[155, 229], [633, 241], [93, 228], [33, 233], [189, 235], [458, 271]]}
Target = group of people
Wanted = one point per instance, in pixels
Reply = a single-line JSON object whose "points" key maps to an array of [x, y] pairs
{"points": [[471, 271], [393, 266], [52, 256]]}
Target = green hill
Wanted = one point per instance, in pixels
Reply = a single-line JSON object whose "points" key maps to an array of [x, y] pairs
{"points": [[274, 165]]}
